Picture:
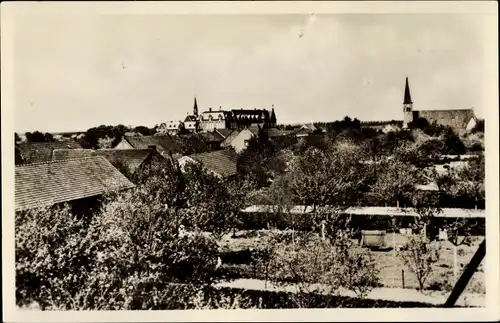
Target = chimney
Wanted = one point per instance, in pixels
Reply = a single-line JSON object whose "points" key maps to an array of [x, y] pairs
{"points": [[210, 109], [152, 147], [220, 108]]}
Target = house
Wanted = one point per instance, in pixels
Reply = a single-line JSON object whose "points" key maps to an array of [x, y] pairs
{"points": [[164, 143], [79, 182], [211, 120], [461, 120], [224, 132], [222, 163], [170, 127], [390, 128], [212, 138], [227, 141], [37, 152], [125, 160], [240, 141]]}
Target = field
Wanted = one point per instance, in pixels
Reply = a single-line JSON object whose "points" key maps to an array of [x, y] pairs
{"points": [[389, 266]]}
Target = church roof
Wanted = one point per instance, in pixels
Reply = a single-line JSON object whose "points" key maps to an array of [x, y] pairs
{"points": [[457, 119], [407, 99]]}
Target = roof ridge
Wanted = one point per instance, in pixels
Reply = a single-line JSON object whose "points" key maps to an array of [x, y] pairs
{"points": [[58, 161]]}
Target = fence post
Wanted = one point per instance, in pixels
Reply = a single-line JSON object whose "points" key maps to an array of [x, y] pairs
{"points": [[403, 276]]}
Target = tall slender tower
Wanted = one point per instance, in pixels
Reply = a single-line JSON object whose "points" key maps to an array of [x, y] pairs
{"points": [[407, 106], [195, 108]]}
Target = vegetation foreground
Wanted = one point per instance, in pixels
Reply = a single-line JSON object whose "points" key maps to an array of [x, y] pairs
{"points": [[160, 244]]}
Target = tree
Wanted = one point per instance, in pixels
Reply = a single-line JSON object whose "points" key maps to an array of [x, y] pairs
{"points": [[36, 136], [327, 178], [395, 183], [452, 144], [16, 138], [48, 137], [145, 131], [420, 258], [104, 143]]}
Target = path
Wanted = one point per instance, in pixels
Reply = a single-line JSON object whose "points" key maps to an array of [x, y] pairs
{"points": [[383, 293]]}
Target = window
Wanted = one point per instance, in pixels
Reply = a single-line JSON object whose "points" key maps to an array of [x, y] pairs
{"points": [[246, 143]]}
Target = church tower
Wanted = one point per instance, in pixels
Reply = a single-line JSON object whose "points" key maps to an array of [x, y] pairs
{"points": [[407, 106], [195, 108]]}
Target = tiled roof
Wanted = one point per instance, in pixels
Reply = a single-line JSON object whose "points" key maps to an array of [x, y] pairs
{"points": [[254, 130], [376, 210], [222, 162], [165, 144], [224, 132], [457, 119], [130, 158], [65, 153], [37, 152], [229, 138], [45, 184]]}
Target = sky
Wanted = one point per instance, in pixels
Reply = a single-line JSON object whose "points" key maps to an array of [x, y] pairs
{"points": [[73, 72]]}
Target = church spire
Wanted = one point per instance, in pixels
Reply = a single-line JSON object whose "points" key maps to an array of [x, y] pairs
{"points": [[195, 108], [407, 93]]}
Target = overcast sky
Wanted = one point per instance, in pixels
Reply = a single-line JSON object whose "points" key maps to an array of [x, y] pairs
{"points": [[76, 72]]}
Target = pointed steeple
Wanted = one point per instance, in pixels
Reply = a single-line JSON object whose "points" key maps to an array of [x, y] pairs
{"points": [[407, 93], [195, 108], [273, 117]]}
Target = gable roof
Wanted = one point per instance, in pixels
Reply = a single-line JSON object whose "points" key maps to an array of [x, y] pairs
{"points": [[222, 162], [132, 159], [165, 144], [254, 130], [457, 119], [45, 184], [38, 152], [190, 118], [224, 132], [230, 138]]}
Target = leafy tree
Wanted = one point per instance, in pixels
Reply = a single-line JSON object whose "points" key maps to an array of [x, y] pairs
{"points": [[420, 258], [327, 178], [16, 138], [145, 131], [452, 144], [395, 183], [36, 136], [103, 143], [48, 137]]}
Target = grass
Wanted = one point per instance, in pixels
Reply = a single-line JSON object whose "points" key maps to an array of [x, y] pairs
{"points": [[390, 267]]}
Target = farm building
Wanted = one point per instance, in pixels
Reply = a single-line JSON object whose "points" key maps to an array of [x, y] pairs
{"points": [[220, 162], [79, 182], [165, 144], [125, 160], [38, 152]]}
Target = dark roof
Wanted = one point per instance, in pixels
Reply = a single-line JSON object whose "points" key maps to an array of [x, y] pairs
{"points": [[210, 137], [256, 113], [254, 130], [38, 152], [229, 138], [224, 132], [222, 162], [45, 184], [65, 153], [407, 99], [165, 144], [190, 118], [457, 119]]}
